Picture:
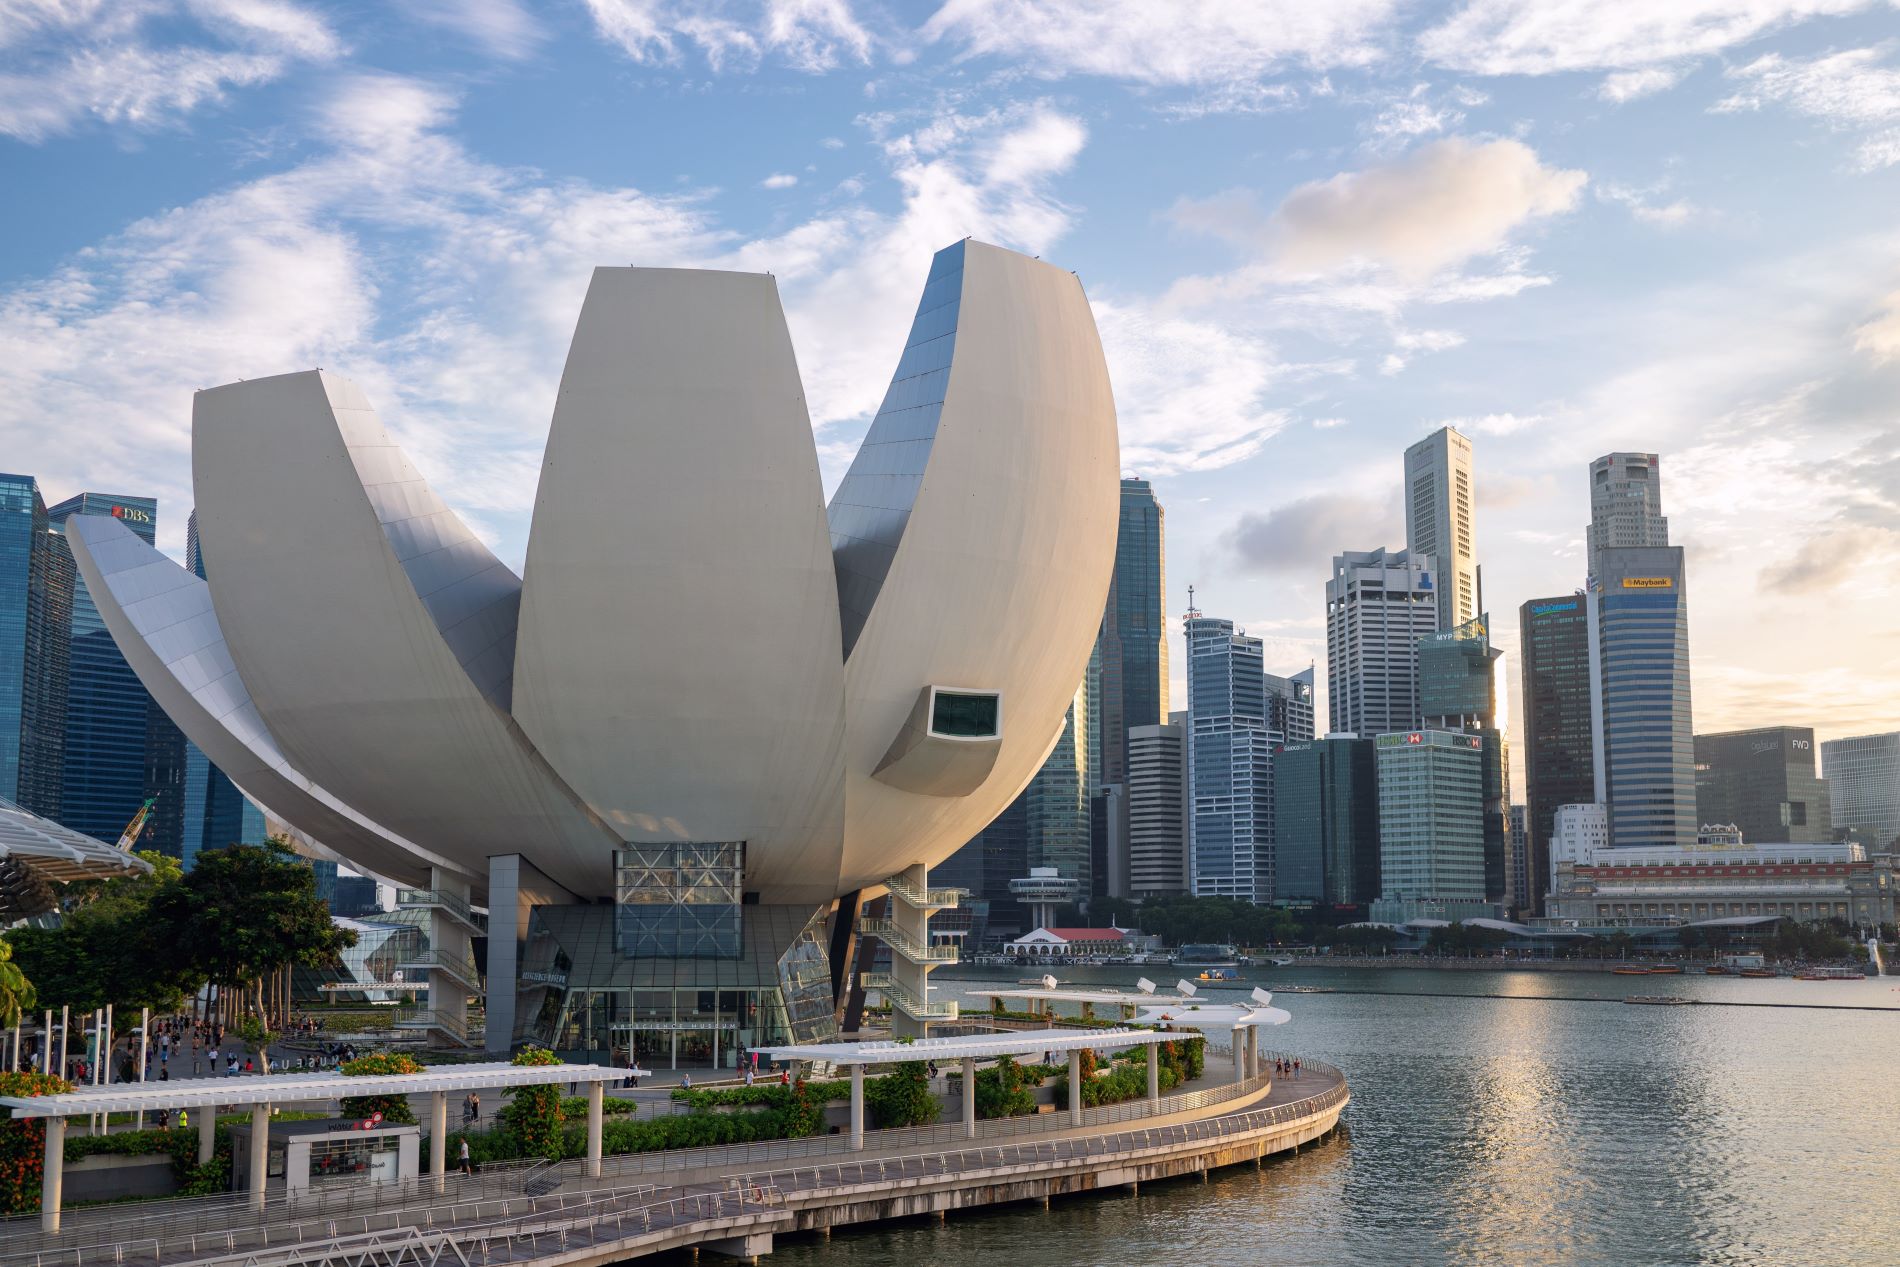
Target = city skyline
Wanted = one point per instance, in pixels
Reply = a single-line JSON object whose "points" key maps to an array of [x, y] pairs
{"points": [[1663, 236]]}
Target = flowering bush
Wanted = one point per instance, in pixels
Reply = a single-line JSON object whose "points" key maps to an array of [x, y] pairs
{"points": [[394, 1108], [23, 1143], [534, 1114]]}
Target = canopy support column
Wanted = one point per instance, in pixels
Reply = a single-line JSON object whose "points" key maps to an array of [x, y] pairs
{"points": [[1253, 1051], [1075, 1087], [1154, 1073], [857, 1108], [596, 1103], [439, 1139], [207, 1132], [53, 1174], [1240, 1055], [969, 1097], [260, 1152]]}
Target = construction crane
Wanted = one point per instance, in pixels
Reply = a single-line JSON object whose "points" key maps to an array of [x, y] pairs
{"points": [[136, 828]]}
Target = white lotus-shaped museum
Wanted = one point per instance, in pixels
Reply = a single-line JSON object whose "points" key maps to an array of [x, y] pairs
{"points": [[699, 650]]}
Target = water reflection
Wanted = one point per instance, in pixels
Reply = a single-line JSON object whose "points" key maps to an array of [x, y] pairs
{"points": [[1511, 1130]]}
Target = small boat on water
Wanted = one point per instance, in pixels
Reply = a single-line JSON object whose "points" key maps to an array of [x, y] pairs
{"points": [[1659, 1000], [1281, 961], [1630, 970], [1305, 989], [1218, 974], [1758, 972], [1717, 970], [1666, 970], [1829, 974]]}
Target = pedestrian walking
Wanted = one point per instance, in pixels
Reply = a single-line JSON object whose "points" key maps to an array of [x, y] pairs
{"points": [[468, 1166]]}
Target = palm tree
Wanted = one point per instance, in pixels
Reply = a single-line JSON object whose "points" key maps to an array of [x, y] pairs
{"points": [[16, 992]]}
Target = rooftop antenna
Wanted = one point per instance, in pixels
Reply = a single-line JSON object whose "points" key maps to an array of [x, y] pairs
{"points": [[1192, 611]]}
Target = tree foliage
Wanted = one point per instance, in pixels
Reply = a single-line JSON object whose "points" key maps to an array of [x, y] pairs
{"points": [[533, 1115], [246, 911], [902, 1097], [394, 1108], [16, 992], [109, 946]]}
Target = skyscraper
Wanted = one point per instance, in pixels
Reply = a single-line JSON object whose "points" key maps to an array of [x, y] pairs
{"points": [[1643, 734], [36, 597], [1157, 808], [1057, 804], [1625, 504], [1560, 757], [1863, 784], [1131, 652], [121, 748], [1458, 690], [1438, 506], [1431, 834], [1290, 705], [1379, 603], [1326, 822], [215, 812], [1517, 870], [1230, 763], [1763, 782]]}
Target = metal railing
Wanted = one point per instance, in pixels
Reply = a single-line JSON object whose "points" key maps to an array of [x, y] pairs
{"points": [[1124, 1146], [317, 1224], [901, 996], [214, 1215], [904, 944], [462, 970], [922, 899], [454, 903], [461, 1029], [727, 1156]]}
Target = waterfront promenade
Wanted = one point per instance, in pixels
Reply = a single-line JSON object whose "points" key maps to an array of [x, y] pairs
{"points": [[734, 1199]]}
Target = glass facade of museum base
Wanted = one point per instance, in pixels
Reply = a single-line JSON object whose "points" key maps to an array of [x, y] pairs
{"points": [[583, 996]]}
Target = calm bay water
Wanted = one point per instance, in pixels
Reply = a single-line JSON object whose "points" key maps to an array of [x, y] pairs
{"points": [[1510, 1130]]}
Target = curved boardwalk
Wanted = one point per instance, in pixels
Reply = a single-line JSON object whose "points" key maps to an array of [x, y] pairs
{"points": [[739, 1200]]}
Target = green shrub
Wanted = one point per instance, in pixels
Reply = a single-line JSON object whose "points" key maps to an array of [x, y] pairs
{"points": [[902, 1097], [533, 1114], [394, 1108], [1006, 1090], [23, 1143]]}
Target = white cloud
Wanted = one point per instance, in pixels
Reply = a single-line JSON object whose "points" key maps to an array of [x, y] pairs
{"points": [[1409, 343], [1044, 146], [1511, 37], [1646, 205], [1491, 424], [502, 27], [808, 35], [1162, 44], [71, 62], [1850, 90], [1189, 395], [778, 180], [1880, 337], [1628, 85], [1432, 210]]}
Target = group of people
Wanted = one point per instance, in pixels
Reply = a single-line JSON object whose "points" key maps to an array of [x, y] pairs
{"points": [[204, 1043], [1286, 1068]]}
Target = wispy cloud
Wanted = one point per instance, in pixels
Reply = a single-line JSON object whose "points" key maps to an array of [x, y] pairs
{"points": [[1853, 91], [806, 35], [125, 65]]}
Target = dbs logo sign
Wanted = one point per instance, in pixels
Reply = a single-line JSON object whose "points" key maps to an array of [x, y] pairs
{"points": [[132, 514]]}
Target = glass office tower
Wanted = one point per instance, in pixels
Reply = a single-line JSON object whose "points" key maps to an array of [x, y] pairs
{"points": [[1230, 763], [1459, 690], [1763, 782], [1560, 755], [1645, 742], [1326, 823], [36, 597], [121, 748], [1863, 784]]}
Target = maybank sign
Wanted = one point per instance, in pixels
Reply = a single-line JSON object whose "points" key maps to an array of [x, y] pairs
{"points": [[1648, 582]]}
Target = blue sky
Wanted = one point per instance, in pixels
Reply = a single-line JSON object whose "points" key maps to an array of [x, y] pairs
{"points": [[1311, 232]]}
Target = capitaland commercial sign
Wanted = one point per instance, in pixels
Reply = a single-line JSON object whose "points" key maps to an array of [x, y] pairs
{"points": [[1550, 609], [1649, 582]]}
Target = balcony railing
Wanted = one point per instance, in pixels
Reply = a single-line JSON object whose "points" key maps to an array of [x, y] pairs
{"points": [[901, 998], [460, 970], [454, 903], [909, 947], [457, 1029], [924, 899]]}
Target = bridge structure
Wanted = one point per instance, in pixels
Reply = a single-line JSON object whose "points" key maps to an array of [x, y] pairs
{"points": [[732, 1200]]}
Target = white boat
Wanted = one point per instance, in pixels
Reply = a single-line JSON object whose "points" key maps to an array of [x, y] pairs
{"points": [[1281, 961]]}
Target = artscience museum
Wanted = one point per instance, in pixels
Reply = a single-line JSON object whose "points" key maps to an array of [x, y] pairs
{"points": [[643, 788]]}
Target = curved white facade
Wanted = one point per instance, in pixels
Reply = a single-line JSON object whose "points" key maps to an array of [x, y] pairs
{"points": [[699, 652]]}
